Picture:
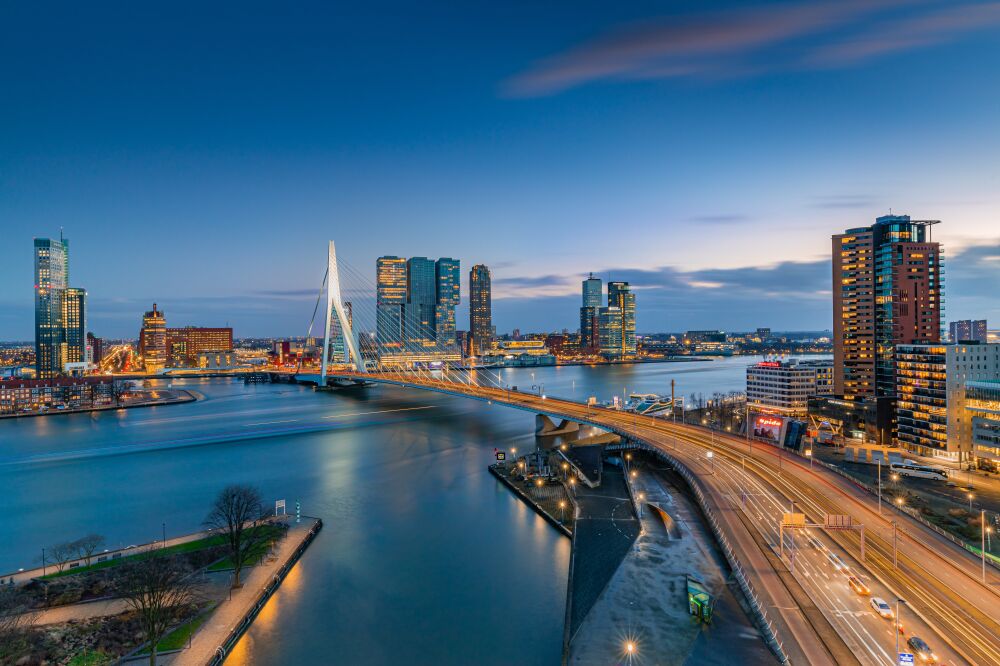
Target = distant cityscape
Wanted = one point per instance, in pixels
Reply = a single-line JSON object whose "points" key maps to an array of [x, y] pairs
{"points": [[897, 377]]}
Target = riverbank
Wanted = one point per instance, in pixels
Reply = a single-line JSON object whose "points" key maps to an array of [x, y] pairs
{"points": [[545, 499], [176, 397]]}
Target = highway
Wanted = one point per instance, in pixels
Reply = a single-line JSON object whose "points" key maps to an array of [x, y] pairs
{"points": [[946, 603]]}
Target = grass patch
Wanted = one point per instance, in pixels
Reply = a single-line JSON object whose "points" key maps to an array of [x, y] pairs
{"points": [[178, 638], [186, 547], [255, 556], [90, 658]]}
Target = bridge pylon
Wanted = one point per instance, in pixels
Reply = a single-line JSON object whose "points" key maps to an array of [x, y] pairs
{"points": [[334, 305]]}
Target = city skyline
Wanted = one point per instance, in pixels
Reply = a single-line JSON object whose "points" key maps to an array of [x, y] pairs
{"points": [[600, 121]]}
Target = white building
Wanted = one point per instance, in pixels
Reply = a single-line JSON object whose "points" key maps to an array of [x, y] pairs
{"points": [[784, 387]]}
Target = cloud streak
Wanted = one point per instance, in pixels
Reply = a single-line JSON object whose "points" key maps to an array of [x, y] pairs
{"points": [[782, 36]]}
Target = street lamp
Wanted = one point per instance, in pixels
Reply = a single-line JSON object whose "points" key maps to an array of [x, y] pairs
{"points": [[642, 498], [982, 549], [711, 459], [898, 623], [562, 511], [630, 650], [970, 502], [809, 454]]}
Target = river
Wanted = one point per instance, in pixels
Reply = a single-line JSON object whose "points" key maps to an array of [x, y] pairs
{"points": [[423, 557]]}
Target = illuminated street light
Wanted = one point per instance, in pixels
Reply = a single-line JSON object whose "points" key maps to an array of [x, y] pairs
{"points": [[970, 502], [711, 459], [809, 454], [562, 511], [642, 498]]}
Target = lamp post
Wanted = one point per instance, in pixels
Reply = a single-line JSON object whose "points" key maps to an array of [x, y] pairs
{"points": [[711, 459], [630, 650], [970, 502], [562, 511], [879, 486], [898, 623], [809, 454], [982, 550]]}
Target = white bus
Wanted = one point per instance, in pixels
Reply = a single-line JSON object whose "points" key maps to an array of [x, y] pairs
{"points": [[909, 468]]}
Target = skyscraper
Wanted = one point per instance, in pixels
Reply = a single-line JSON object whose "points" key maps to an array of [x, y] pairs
{"points": [[887, 289], [621, 297], [153, 340], [421, 299], [390, 299], [51, 280], [449, 284], [480, 310], [75, 325], [967, 330], [611, 330], [590, 315]]}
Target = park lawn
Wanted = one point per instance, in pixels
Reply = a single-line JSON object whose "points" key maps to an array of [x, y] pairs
{"points": [[90, 658], [255, 555], [186, 547]]}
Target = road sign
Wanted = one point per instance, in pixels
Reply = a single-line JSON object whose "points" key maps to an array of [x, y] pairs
{"points": [[838, 521], [501, 455], [905, 659], [793, 520], [279, 504]]}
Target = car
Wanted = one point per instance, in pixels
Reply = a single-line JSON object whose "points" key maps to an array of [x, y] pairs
{"points": [[922, 650], [858, 586], [838, 563], [880, 606]]}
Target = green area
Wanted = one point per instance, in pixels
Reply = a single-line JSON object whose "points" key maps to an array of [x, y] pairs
{"points": [[90, 658], [255, 555], [186, 547], [178, 638]]}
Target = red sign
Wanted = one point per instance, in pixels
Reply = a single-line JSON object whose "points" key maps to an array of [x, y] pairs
{"points": [[769, 364], [769, 421]]}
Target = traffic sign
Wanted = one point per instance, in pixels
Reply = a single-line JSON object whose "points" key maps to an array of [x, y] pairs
{"points": [[905, 659], [793, 520], [501, 455]]}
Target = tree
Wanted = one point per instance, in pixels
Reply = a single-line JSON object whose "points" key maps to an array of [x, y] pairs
{"points": [[85, 546], [61, 553], [15, 619], [238, 516], [157, 589]]}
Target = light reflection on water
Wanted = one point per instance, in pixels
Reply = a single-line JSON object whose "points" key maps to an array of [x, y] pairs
{"points": [[423, 557]]}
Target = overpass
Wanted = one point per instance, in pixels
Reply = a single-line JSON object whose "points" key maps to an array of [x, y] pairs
{"points": [[951, 605]]}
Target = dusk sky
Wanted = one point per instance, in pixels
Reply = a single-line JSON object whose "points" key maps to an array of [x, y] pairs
{"points": [[201, 157]]}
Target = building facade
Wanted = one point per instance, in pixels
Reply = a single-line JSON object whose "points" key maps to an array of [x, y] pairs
{"points": [[621, 297], [51, 280], [480, 310], [967, 330], [153, 340], [390, 278], [784, 387], [982, 406], [22, 396], [449, 283], [590, 315], [185, 344], [611, 331]]}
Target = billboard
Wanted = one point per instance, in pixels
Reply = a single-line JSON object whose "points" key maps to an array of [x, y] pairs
{"points": [[768, 428]]}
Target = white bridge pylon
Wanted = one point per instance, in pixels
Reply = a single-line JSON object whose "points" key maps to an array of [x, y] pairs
{"points": [[334, 303]]}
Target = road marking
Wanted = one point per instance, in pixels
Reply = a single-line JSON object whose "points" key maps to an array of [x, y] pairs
{"points": [[381, 411]]}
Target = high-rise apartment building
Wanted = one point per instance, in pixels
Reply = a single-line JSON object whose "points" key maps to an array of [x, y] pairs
{"points": [[887, 291], [421, 299], [967, 330], [153, 340], [590, 312], [75, 326], [51, 280], [480, 310], [96, 345], [390, 276], [621, 297]]}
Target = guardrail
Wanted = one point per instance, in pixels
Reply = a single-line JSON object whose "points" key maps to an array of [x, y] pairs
{"points": [[236, 632], [764, 623]]}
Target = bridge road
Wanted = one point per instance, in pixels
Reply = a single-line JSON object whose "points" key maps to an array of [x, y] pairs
{"points": [[934, 576]]}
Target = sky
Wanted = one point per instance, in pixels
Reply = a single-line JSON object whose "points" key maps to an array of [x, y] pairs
{"points": [[201, 155]]}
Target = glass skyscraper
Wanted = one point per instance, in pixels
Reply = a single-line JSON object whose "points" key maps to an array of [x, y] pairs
{"points": [[390, 299], [590, 315], [51, 280], [449, 285], [480, 310], [75, 325], [621, 297]]}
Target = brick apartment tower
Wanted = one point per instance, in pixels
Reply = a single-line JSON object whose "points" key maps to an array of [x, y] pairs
{"points": [[887, 290]]}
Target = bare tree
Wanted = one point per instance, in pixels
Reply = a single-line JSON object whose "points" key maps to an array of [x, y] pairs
{"points": [[61, 553], [85, 546], [158, 589], [15, 619], [238, 516]]}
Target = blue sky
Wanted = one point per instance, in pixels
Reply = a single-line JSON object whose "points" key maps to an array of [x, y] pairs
{"points": [[201, 157]]}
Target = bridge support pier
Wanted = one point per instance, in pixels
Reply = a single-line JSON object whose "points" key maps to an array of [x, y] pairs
{"points": [[544, 426]]}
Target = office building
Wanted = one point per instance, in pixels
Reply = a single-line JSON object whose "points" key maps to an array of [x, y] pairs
{"points": [[887, 291], [932, 415], [784, 387], [480, 310], [763, 334], [982, 407], [590, 315], [621, 297], [415, 310], [692, 337], [611, 331], [96, 346], [51, 280], [967, 330], [449, 283], [185, 344], [153, 340]]}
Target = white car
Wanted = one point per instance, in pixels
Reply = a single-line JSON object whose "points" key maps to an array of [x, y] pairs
{"points": [[880, 606]]}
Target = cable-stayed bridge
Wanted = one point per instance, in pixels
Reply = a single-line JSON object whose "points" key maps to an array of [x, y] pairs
{"points": [[744, 490]]}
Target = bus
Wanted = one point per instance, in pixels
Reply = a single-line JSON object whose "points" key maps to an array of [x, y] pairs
{"points": [[912, 469]]}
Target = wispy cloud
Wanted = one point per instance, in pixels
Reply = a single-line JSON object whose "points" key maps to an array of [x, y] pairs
{"points": [[837, 201], [774, 36], [722, 218]]}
